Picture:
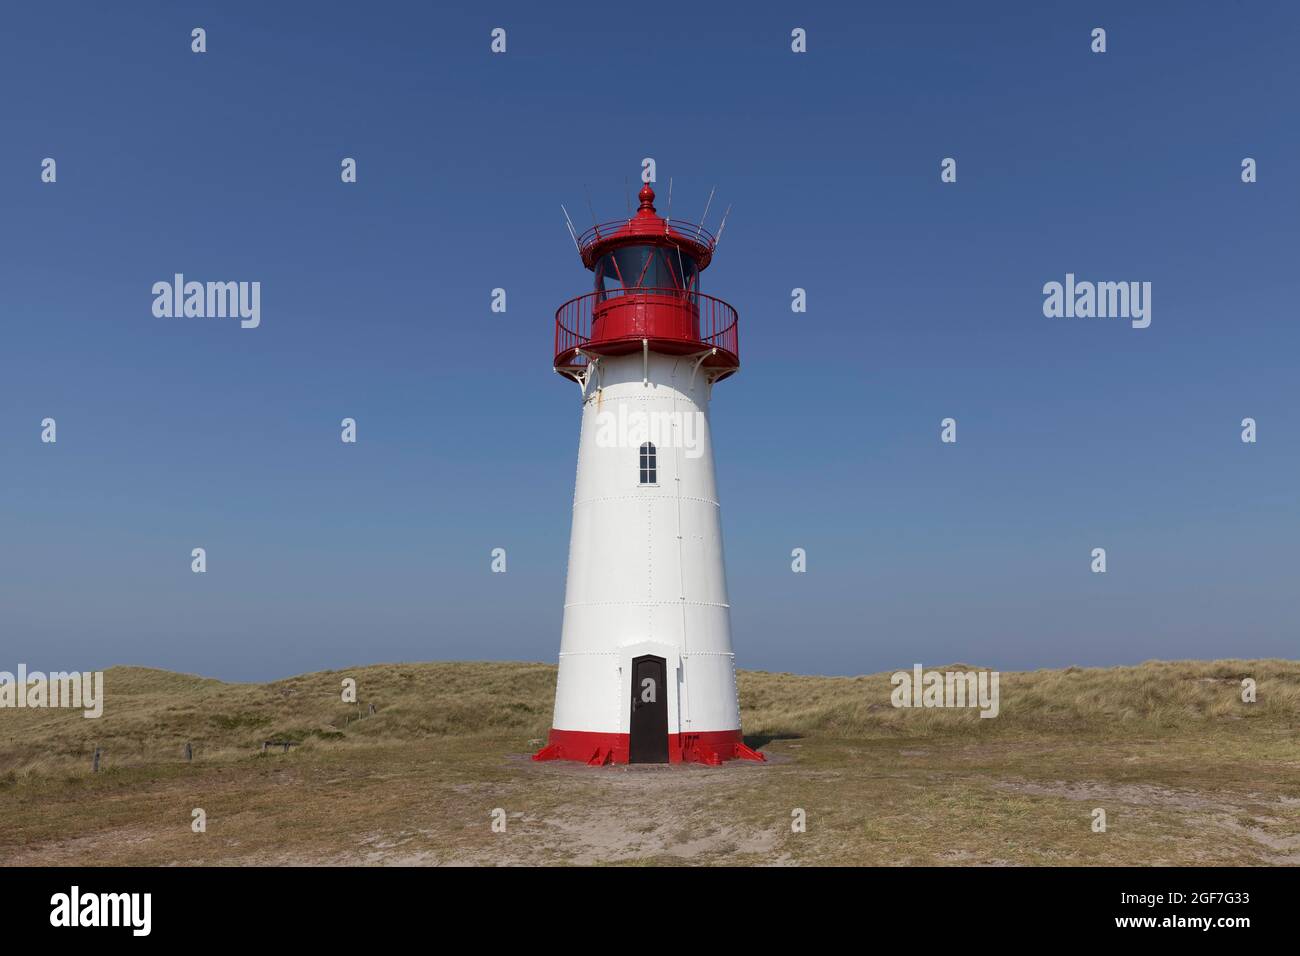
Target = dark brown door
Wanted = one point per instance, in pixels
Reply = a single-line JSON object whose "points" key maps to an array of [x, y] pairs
{"points": [[648, 739]]}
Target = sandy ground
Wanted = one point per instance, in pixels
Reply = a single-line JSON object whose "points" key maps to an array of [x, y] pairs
{"points": [[875, 802]]}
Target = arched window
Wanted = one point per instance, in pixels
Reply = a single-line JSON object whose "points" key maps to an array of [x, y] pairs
{"points": [[649, 465]]}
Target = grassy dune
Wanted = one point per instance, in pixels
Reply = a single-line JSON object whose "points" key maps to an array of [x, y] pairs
{"points": [[149, 714], [1156, 696], [1186, 771]]}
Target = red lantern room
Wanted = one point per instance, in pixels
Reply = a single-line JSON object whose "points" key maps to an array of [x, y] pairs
{"points": [[647, 295]]}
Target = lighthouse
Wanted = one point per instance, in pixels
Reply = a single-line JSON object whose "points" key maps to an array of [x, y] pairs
{"points": [[647, 673]]}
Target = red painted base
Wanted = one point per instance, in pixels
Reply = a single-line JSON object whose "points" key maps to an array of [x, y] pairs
{"points": [[595, 749]]}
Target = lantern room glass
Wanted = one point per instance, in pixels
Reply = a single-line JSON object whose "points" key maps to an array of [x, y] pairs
{"points": [[661, 269]]}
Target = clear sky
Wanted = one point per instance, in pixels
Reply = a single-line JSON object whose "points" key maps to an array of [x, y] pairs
{"points": [[924, 301]]}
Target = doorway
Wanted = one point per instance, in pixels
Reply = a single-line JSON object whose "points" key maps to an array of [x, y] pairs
{"points": [[648, 728]]}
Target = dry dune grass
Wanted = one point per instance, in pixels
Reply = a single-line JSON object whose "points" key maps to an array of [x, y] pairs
{"points": [[150, 714], [1187, 773], [1155, 696]]}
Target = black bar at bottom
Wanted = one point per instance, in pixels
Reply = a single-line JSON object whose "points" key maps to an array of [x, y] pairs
{"points": [[327, 904]]}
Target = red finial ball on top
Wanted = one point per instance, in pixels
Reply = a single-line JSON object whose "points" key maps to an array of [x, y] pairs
{"points": [[647, 197]]}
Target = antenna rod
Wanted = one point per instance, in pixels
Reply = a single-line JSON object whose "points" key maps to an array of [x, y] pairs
{"points": [[718, 239], [594, 224], [569, 222], [670, 208], [706, 212]]}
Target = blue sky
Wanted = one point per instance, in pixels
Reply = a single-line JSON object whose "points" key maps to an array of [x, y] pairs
{"points": [[924, 301]]}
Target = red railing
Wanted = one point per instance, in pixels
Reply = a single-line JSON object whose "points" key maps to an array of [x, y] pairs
{"points": [[691, 321], [687, 230]]}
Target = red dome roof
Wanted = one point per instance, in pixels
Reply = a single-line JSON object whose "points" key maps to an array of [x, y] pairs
{"points": [[647, 227]]}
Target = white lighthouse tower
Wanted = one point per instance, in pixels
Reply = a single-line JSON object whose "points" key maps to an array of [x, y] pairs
{"points": [[647, 673]]}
